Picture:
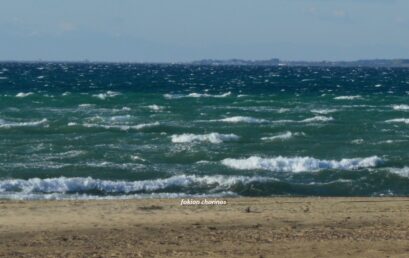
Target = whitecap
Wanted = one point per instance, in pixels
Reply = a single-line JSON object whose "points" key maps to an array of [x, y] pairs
{"points": [[299, 164], [398, 120], [24, 94], [357, 141], [241, 119], [317, 119], [283, 136], [121, 127], [400, 171], [211, 137], [196, 95], [7, 125], [86, 105], [324, 111], [348, 97], [120, 118], [108, 94], [155, 108], [136, 157], [401, 107]]}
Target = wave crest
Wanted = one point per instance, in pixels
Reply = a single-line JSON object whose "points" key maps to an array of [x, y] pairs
{"points": [[300, 164], [211, 137], [196, 95], [241, 119], [8, 125], [88, 184]]}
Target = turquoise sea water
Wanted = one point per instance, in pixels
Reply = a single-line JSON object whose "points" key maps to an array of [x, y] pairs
{"points": [[138, 131]]}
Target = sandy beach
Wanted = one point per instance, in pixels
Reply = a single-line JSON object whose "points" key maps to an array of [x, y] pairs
{"points": [[244, 227]]}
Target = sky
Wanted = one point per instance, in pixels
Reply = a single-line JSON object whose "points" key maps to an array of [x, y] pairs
{"points": [[186, 30]]}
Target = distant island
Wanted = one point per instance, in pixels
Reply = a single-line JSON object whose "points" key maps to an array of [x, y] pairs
{"points": [[278, 62]]}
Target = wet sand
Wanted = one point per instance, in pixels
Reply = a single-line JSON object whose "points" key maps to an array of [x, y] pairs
{"points": [[245, 227]]}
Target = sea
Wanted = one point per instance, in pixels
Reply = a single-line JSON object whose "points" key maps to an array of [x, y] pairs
{"points": [[120, 131]]}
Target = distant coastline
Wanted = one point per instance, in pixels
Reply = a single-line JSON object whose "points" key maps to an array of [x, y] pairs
{"points": [[243, 62], [278, 62]]}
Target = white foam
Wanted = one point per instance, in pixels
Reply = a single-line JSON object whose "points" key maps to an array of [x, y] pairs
{"points": [[357, 141], [241, 119], [211, 137], [155, 108], [400, 171], [136, 157], [122, 127], [196, 95], [401, 107], [120, 118], [108, 94], [283, 136], [398, 120], [299, 164], [348, 97], [324, 111], [86, 184], [7, 125], [317, 119], [24, 94], [284, 121], [86, 105]]}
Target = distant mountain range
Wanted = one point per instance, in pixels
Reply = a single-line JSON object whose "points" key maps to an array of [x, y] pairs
{"points": [[278, 62]]}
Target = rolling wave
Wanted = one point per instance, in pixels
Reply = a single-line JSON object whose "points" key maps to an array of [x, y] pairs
{"points": [[300, 164]]}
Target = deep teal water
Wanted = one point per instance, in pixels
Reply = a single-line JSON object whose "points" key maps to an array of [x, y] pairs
{"points": [[137, 131]]}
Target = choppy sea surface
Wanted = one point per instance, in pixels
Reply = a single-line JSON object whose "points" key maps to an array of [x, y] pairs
{"points": [[87, 131]]}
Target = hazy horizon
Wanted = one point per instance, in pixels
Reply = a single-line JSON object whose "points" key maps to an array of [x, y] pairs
{"points": [[182, 31]]}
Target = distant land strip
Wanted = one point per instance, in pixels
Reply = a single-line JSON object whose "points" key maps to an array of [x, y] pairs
{"points": [[242, 62]]}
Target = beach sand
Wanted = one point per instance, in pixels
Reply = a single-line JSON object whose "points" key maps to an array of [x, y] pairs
{"points": [[245, 227]]}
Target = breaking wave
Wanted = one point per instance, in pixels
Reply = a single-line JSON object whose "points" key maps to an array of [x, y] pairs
{"points": [[398, 120], [241, 119], [348, 97], [24, 94], [300, 164], [118, 127], [211, 137], [108, 94], [323, 111], [7, 125], [88, 184], [283, 136], [401, 107], [196, 95], [317, 119]]}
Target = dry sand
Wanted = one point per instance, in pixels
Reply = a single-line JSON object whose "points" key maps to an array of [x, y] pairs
{"points": [[272, 227]]}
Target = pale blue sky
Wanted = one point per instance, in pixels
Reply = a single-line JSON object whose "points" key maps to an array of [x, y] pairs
{"points": [[182, 30]]}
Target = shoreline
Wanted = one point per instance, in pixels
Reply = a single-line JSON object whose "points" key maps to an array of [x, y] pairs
{"points": [[244, 227]]}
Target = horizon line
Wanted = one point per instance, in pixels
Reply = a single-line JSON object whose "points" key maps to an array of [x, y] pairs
{"points": [[283, 61]]}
